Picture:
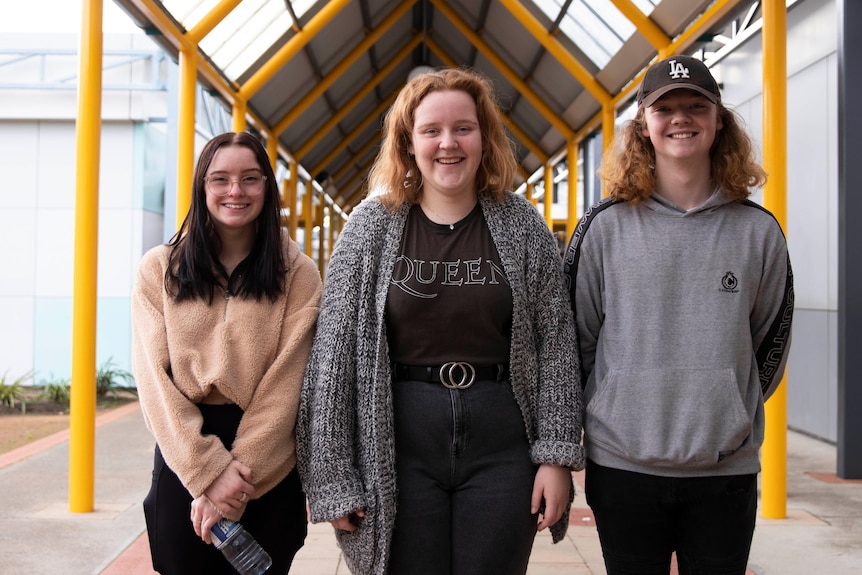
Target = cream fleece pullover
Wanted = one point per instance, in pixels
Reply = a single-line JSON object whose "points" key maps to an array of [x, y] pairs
{"points": [[253, 352]]}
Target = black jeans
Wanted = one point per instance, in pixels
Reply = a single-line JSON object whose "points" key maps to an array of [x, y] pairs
{"points": [[464, 479], [277, 520], [642, 519]]}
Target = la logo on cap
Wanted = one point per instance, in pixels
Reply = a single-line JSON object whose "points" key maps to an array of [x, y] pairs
{"points": [[677, 70]]}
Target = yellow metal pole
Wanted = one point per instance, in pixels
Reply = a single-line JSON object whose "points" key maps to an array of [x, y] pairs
{"points": [[529, 193], [82, 419], [609, 118], [272, 150], [574, 196], [283, 202], [186, 131], [774, 453], [333, 222], [238, 120], [293, 222], [549, 195], [321, 240], [308, 216]]}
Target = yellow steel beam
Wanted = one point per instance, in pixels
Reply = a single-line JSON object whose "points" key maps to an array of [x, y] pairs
{"points": [[292, 198], [321, 240], [367, 87], [529, 193], [272, 150], [574, 203], [525, 139], [366, 147], [240, 107], [774, 452], [360, 189], [211, 20], [291, 47], [345, 141], [716, 12], [357, 179], [333, 223], [549, 195], [557, 50], [609, 117], [88, 132], [358, 52], [186, 130], [308, 217], [503, 67], [155, 12], [643, 23]]}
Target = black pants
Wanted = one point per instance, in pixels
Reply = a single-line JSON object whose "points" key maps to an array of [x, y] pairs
{"points": [[642, 519], [277, 519], [465, 480]]}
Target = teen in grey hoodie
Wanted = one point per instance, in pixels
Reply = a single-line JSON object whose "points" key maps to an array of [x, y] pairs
{"points": [[683, 297]]}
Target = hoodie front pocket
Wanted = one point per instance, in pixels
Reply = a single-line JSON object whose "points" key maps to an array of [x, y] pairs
{"points": [[668, 417]]}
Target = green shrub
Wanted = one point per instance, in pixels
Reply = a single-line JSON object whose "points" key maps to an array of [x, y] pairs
{"points": [[11, 392], [56, 391], [110, 378]]}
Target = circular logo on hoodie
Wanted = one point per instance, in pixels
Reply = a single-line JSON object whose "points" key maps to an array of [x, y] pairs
{"points": [[729, 282]]}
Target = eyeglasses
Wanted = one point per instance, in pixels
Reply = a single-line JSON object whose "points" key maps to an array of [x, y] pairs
{"points": [[221, 185]]}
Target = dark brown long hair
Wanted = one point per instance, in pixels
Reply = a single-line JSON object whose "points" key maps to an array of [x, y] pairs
{"points": [[194, 268]]}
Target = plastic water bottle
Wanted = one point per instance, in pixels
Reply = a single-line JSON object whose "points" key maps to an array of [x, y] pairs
{"points": [[240, 548]]}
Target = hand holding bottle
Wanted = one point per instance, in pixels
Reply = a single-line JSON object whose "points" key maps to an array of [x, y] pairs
{"points": [[226, 497]]}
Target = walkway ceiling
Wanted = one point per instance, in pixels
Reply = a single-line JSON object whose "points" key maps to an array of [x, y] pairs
{"points": [[322, 74]]}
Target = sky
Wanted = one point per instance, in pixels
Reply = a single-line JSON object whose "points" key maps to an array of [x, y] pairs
{"points": [[58, 16]]}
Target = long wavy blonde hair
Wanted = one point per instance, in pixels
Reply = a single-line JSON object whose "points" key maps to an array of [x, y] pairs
{"points": [[628, 165], [395, 173]]}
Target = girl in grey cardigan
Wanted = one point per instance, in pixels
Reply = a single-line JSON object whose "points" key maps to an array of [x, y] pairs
{"points": [[441, 412]]}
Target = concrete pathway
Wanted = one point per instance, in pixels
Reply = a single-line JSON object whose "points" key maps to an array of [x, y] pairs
{"points": [[821, 534]]}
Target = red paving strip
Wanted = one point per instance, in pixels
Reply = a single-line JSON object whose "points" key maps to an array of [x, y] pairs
{"points": [[134, 560], [49, 441], [832, 478], [582, 517]]}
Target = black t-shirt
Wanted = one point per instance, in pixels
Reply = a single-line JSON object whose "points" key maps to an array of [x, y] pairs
{"points": [[449, 299]]}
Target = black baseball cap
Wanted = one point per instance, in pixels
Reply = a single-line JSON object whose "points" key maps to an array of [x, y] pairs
{"points": [[674, 73]]}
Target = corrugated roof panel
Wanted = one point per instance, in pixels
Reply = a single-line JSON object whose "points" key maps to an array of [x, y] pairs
{"points": [[596, 27]]}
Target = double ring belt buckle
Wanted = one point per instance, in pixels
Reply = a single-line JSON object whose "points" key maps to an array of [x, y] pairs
{"points": [[457, 374]]}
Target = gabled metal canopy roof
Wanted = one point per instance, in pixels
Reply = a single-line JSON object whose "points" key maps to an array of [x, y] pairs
{"points": [[320, 75]]}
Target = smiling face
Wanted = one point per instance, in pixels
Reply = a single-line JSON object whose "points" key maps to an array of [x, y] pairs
{"points": [[237, 210], [682, 126], [447, 143]]}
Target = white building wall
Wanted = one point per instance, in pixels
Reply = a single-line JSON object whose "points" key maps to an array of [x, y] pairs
{"points": [[812, 198], [37, 222]]}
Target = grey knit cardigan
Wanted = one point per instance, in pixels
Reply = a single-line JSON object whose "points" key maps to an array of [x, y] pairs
{"points": [[345, 444]]}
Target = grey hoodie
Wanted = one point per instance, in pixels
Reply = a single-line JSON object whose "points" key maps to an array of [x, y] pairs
{"points": [[684, 324]]}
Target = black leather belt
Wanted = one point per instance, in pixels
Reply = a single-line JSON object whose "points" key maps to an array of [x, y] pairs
{"points": [[452, 374]]}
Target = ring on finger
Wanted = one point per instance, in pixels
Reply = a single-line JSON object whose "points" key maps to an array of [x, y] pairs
{"points": [[243, 497]]}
